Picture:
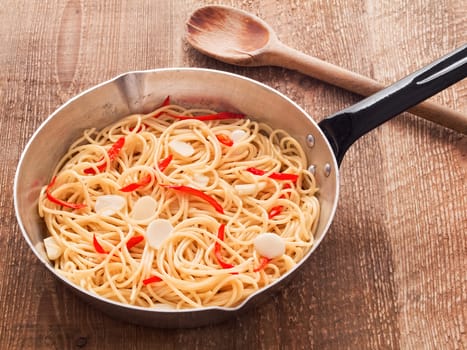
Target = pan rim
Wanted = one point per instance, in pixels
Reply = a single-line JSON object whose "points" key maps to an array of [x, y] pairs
{"points": [[248, 299]]}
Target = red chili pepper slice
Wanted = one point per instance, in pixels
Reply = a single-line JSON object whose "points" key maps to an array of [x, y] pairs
{"points": [[217, 248], [200, 194], [116, 147], [97, 246], [147, 178], [135, 185], [166, 102], [262, 264], [285, 187], [164, 163], [151, 280], [91, 171], [112, 152], [134, 241], [225, 139], [275, 211], [140, 127], [284, 176], [215, 116], [256, 171], [275, 176], [55, 200]]}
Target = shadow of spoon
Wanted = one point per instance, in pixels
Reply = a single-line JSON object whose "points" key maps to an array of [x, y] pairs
{"points": [[237, 37]]}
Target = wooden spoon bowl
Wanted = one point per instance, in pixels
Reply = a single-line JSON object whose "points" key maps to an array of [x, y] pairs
{"points": [[230, 35]]}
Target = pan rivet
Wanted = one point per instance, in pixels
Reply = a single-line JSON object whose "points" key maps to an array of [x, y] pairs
{"points": [[312, 168], [310, 140], [327, 169]]}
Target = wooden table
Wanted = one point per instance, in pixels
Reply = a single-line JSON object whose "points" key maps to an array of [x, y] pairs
{"points": [[391, 272]]}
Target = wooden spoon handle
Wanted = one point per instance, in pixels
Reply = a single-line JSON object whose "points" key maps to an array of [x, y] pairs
{"points": [[284, 56]]}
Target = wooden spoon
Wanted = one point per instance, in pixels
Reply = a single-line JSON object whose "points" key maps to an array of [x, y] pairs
{"points": [[240, 38]]}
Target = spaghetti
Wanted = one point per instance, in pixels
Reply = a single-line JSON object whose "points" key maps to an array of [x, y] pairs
{"points": [[173, 208]]}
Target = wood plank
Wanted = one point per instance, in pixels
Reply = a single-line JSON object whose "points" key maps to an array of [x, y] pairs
{"points": [[391, 272]]}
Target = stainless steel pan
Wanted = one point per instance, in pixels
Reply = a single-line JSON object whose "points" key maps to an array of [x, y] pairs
{"points": [[142, 91]]}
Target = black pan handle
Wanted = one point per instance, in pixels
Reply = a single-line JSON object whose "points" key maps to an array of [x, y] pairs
{"points": [[343, 128]]}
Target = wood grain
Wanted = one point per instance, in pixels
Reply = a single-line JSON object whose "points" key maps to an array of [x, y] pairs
{"points": [[391, 272]]}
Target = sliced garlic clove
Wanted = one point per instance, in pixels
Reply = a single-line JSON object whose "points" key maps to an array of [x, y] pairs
{"points": [[144, 208], [40, 248], [52, 248], [200, 180], [182, 148], [269, 245], [237, 135], [157, 232], [109, 204], [249, 189]]}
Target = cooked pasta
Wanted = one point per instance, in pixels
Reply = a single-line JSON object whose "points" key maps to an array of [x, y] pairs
{"points": [[180, 208]]}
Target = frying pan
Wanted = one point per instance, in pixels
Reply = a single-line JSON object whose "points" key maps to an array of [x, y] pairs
{"points": [[141, 91]]}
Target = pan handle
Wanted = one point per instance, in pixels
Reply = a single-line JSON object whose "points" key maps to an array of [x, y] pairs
{"points": [[343, 128]]}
